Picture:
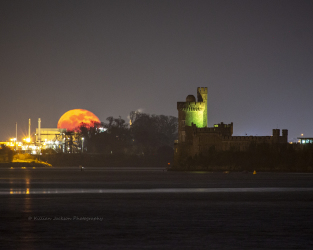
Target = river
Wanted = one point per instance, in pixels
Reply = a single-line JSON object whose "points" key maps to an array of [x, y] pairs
{"points": [[150, 208]]}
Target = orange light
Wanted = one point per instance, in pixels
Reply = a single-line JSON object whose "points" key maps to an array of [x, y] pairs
{"points": [[72, 119]]}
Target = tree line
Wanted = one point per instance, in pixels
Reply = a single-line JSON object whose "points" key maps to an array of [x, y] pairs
{"points": [[145, 134]]}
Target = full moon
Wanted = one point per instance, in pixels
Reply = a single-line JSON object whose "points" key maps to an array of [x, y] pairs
{"points": [[72, 119]]}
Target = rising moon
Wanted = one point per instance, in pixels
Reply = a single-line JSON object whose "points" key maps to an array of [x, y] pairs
{"points": [[72, 119]]}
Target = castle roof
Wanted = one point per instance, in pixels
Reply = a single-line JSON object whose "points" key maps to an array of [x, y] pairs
{"points": [[190, 98]]}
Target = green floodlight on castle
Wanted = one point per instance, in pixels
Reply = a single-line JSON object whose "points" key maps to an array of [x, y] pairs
{"points": [[193, 111]]}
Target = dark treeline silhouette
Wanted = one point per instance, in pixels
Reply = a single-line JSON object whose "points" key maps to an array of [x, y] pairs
{"points": [[259, 157], [147, 141], [146, 135]]}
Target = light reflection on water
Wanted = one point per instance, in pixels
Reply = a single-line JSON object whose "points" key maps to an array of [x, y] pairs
{"points": [[147, 190]]}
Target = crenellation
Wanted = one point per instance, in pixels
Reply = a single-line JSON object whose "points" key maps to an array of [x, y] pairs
{"points": [[203, 90]]}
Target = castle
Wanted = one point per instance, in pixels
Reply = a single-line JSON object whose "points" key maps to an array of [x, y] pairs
{"points": [[194, 137]]}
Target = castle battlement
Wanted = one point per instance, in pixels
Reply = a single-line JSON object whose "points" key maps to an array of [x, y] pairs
{"points": [[202, 130], [246, 138], [202, 90], [191, 106], [220, 129]]}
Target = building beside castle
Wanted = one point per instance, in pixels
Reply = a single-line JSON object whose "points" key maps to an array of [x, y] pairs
{"points": [[194, 137]]}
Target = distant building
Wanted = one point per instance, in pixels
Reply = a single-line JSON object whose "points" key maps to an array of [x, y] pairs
{"points": [[51, 138], [305, 140], [194, 137], [48, 134], [59, 139]]}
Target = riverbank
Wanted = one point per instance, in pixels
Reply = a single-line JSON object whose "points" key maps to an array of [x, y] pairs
{"points": [[24, 164]]}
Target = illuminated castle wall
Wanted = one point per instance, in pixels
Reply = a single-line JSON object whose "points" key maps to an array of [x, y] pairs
{"points": [[192, 111], [194, 137]]}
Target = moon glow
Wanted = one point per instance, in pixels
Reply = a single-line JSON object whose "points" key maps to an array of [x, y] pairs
{"points": [[72, 119]]}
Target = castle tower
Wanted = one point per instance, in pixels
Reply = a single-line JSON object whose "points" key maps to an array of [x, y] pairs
{"points": [[202, 94], [285, 135], [192, 111], [276, 135]]}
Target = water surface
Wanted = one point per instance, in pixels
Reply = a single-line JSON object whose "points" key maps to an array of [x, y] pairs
{"points": [[154, 209]]}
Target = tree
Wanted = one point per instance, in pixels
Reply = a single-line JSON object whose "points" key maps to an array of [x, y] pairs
{"points": [[150, 132], [113, 136], [6, 154]]}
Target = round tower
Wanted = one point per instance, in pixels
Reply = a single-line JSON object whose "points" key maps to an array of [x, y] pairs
{"points": [[193, 111]]}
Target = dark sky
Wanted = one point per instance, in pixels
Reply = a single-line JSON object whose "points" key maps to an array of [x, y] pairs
{"points": [[112, 57]]}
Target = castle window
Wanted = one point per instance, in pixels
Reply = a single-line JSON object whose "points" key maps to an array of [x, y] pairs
{"points": [[183, 136]]}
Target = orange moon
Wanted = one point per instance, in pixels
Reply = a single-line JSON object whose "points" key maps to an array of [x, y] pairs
{"points": [[72, 119]]}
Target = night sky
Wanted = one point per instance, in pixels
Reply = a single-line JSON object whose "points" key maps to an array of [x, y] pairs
{"points": [[112, 57]]}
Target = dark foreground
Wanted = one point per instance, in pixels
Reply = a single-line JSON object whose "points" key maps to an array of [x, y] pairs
{"points": [[153, 209]]}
